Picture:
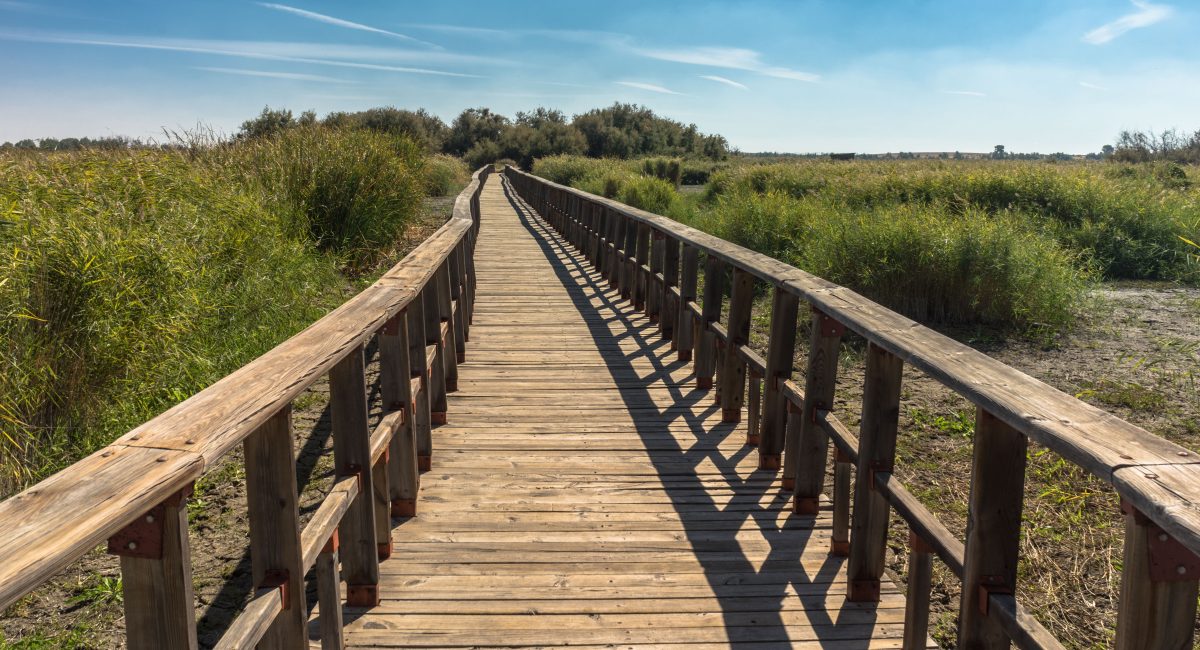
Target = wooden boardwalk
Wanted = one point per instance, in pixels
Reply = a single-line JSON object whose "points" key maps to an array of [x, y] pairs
{"points": [[585, 493]]}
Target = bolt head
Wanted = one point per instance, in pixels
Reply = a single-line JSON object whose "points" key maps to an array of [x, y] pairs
{"points": [[149, 519], [1181, 570], [131, 546]]}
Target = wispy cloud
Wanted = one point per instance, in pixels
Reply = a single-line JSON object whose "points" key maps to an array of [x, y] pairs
{"points": [[313, 53], [651, 87], [723, 80], [1146, 15], [1091, 86], [338, 22], [733, 58], [291, 76], [968, 93], [463, 30]]}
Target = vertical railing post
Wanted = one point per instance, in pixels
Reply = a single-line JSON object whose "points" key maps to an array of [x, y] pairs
{"points": [[706, 340], [275, 557], [395, 387], [876, 453], [839, 544], [781, 350], [916, 599], [629, 273], [352, 457], [806, 446], [156, 576], [641, 272], [433, 337], [993, 528], [653, 287], [685, 329], [329, 593], [733, 374], [1157, 606], [419, 369], [459, 322], [670, 304], [446, 314]]}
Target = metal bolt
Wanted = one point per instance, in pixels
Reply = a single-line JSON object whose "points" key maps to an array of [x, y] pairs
{"points": [[131, 546], [1183, 453], [149, 519], [1181, 570], [1162, 537]]}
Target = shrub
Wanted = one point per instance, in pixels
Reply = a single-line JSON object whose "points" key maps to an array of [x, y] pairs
{"points": [[443, 175], [650, 194]]}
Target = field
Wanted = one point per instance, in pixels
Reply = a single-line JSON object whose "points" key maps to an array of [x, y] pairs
{"points": [[131, 279], [1081, 275]]}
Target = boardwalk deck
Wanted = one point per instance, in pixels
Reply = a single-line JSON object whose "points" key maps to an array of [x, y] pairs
{"points": [[584, 492]]}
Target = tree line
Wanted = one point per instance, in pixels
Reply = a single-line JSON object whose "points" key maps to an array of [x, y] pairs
{"points": [[480, 135]]}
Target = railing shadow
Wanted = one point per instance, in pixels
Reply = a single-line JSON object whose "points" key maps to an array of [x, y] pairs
{"points": [[714, 507]]}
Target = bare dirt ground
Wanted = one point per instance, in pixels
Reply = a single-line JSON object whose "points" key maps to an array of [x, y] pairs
{"points": [[80, 608]]}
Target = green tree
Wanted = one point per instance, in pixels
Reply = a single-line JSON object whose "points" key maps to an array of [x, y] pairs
{"points": [[473, 126]]}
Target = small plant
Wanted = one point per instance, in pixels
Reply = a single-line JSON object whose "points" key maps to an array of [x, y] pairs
{"points": [[101, 590], [961, 424]]}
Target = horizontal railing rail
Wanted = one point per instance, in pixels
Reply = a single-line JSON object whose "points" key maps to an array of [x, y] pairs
{"points": [[133, 492], [656, 263]]}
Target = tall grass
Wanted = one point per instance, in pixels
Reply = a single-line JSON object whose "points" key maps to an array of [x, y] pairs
{"points": [[131, 279]]}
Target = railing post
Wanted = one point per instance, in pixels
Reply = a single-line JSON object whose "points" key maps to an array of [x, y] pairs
{"points": [[916, 599], [395, 387], [781, 349], [1157, 605], [670, 305], [433, 336], [806, 446], [446, 312], [993, 529], [329, 588], [352, 457], [876, 453], [653, 288], [156, 575], [733, 374], [706, 345], [839, 544], [418, 369], [629, 273], [274, 515], [685, 334], [454, 265], [641, 273]]}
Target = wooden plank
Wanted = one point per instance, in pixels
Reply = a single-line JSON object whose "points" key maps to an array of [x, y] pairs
{"points": [[352, 457], [705, 346], [733, 373], [157, 591], [272, 508], [807, 446], [781, 349], [877, 453]]}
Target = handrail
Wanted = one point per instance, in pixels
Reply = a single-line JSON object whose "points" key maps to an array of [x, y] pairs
{"points": [[131, 491], [639, 253]]}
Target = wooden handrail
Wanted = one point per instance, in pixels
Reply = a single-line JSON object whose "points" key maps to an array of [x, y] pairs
{"points": [[142, 478], [1158, 481]]}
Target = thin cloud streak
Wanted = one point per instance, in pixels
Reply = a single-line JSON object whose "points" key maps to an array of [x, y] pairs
{"points": [[651, 87], [226, 48], [1091, 86], [733, 58], [968, 93], [723, 80], [271, 74], [338, 22], [462, 30], [1147, 15]]}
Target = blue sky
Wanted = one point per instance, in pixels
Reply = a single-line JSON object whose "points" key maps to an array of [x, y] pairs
{"points": [[873, 76]]}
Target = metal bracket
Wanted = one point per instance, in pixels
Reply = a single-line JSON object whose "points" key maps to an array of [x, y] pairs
{"points": [[332, 544], [917, 544], [356, 471], [840, 456], [1170, 561], [874, 467], [143, 537], [989, 585], [278, 579]]}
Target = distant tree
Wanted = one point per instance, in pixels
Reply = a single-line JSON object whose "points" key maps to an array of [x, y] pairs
{"points": [[473, 126], [307, 118], [630, 131], [26, 144], [543, 132], [1107, 151], [269, 122], [425, 129], [998, 153]]}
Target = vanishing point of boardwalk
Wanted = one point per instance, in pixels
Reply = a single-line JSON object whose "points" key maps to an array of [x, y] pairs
{"points": [[585, 493]]}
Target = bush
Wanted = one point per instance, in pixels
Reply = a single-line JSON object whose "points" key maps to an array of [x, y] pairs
{"points": [[350, 192], [444, 175], [649, 194], [137, 279]]}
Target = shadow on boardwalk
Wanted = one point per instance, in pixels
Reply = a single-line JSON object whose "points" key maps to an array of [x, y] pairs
{"points": [[751, 595]]}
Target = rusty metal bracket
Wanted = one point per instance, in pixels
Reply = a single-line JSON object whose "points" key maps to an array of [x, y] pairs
{"points": [[840, 456], [278, 579], [143, 537], [332, 544], [989, 585], [917, 544], [356, 471], [829, 326], [1170, 561], [876, 467]]}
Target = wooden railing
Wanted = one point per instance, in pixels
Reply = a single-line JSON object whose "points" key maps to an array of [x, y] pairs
{"points": [[655, 262], [133, 493]]}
